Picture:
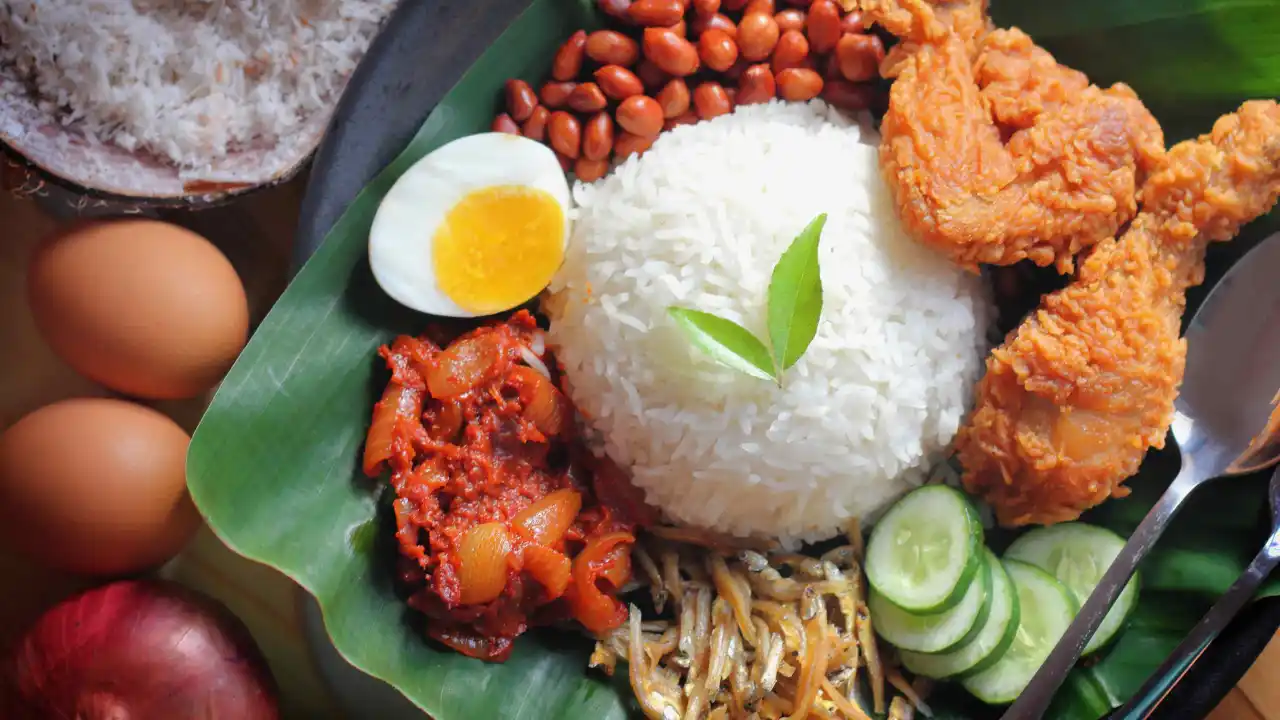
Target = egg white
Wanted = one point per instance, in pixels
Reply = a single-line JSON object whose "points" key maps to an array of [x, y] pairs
{"points": [[401, 239]]}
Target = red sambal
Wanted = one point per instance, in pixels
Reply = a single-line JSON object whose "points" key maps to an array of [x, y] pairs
{"points": [[503, 519]]}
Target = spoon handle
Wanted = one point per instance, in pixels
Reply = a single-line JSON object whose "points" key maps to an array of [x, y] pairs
{"points": [[1154, 690], [1035, 699]]}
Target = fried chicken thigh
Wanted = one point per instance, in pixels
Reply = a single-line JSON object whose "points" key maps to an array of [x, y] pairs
{"points": [[994, 152], [1076, 395]]}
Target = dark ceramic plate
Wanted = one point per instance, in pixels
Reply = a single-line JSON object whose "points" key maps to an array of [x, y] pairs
{"points": [[425, 49]]}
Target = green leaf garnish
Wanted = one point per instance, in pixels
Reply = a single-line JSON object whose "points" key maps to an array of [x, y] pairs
{"points": [[727, 342], [795, 305], [795, 297]]}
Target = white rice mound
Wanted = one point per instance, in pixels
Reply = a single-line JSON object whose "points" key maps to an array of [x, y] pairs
{"points": [[699, 221]]}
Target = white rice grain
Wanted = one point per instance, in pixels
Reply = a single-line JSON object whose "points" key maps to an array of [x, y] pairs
{"points": [[699, 221]]}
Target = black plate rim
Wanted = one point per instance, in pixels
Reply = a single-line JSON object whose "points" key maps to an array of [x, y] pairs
{"points": [[386, 102]]}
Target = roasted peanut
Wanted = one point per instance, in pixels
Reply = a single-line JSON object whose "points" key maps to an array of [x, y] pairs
{"points": [[790, 19], [822, 25], [797, 84], [732, 94], [718, 21], [717, 50], [655, 13], [618, 82], [566, 164], [673, 98], [614, 8], [830, 67], [686, 118], [681, 28], [760, 6], [757, 34], [587, 98], [852, 22], [555, 94], [504, 124], [706, 7], [568, 61], [608, 47], [652, 76], [521, 100], [628, 144], [791, 51], [535, 128], [588, 170], [756, 85], [564, 132], [859, 56], [640, 115], [597, 137], [711, 100], [732, 74], [674, 54], [845, 95]]}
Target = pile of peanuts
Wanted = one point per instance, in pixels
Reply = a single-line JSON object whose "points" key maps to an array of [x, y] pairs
{"points": [[675, 62]]}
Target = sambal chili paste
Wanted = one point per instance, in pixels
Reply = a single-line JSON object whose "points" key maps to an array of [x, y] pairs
{"points": [[503, 519]]}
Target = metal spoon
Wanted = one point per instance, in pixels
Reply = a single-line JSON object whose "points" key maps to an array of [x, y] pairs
{"points": [[1232, 374], [1154, 690]]}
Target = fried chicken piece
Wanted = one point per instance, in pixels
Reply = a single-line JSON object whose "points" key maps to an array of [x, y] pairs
{"points": [[994, 152], [916, 22], [1076, 395]]}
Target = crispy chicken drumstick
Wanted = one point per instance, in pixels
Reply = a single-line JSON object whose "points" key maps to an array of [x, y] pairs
{"points": [[994, 152], [1076, 395]]}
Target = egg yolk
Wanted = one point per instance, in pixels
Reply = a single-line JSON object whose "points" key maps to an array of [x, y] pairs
{"points": [[498, 247]]}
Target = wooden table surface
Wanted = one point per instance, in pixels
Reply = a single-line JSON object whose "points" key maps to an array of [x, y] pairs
{"points": [[256, 235]]}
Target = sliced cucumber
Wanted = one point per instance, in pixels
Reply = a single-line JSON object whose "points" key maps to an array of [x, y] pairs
{"points": [[1078, 555], [923, 554], [994, 635], [1046, 610], [984, 576], [936, 632]]}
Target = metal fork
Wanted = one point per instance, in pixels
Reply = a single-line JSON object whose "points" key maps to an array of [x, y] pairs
{"points": [[1157, 687]]}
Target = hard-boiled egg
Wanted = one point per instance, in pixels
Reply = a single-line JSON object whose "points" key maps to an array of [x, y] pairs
{"points": [[476, 227]]}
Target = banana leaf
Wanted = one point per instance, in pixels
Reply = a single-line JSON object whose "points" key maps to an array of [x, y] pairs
{"points": [[1190, 60], [274, 467]]}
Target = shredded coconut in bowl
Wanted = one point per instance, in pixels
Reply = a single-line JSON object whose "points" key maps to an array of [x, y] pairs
{"points": [[186, 81]]}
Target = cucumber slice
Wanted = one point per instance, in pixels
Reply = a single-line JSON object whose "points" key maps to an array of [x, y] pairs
{"points": [[936, 632], [1078, 555], [994, 636], [923, 554], [985, 575], [1046, 611]]}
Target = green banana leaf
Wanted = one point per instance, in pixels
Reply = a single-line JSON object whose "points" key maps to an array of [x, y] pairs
{"points": [[274, 465], [1190, 60]]}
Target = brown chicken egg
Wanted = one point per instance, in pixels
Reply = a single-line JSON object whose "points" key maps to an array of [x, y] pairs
{"points": [[143, 307], [95, 486]]}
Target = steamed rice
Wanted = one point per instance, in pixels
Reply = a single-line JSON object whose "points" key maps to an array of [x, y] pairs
{"points": [[699, 221]]}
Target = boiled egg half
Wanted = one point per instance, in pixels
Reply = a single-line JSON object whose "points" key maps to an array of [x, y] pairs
{"points": [[476, 227]]}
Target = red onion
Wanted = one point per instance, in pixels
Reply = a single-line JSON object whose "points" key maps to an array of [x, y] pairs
{"points": [[137, 650]]}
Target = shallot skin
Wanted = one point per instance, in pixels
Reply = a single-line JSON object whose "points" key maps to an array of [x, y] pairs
{"points": [[137, 650]]}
